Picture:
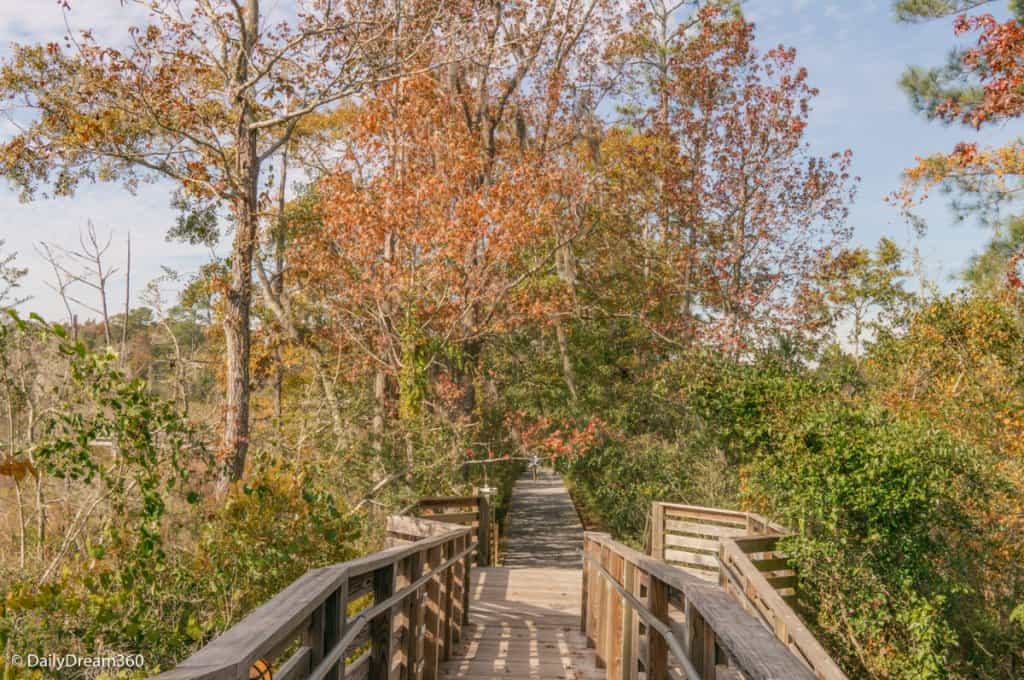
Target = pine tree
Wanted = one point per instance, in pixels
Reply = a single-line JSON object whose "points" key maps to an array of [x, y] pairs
{"points": [[929, 87]]}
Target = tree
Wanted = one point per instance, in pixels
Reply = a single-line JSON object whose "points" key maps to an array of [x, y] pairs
{"points": [[203, 95], [460, 191], [986, 271], [10, 280], [931, 87], [979, 86], [417, 260], [957, 366], [725, 212], [866, 289]]}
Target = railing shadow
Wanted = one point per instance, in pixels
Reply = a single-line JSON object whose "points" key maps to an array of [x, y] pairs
{"points": [[510, 634]]}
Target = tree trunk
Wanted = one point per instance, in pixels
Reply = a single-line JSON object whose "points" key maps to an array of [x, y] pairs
{"points": [[238, 342], [380, 396], [237, 339], [279, 246], [40, 518], [21, 523], [563, 351]]}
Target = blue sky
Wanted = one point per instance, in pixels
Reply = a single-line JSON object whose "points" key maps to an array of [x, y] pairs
{"points": [[853, 49], [855, 52]]}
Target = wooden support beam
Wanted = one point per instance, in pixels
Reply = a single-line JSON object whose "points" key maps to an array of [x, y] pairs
{"points": [[432, 651], [314, 636], [414, 641], [335, 619], [445, 604], [381, 650], [400, 615], [483, 554], [657, 649], [701, 642], [605, 595], [467, 567], [585, 595], [658, 530], [457, 597], [630, 651]]}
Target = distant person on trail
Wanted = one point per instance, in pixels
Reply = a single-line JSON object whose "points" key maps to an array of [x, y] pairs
{"points": [[534, 465]]}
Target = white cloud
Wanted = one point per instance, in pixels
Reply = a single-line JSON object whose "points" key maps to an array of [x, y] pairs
{"points": [[110, 207], [46, 21]]}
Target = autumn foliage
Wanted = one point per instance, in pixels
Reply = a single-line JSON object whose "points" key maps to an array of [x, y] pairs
{"points": [[987, 176], [467, 233], [736, 213], [429, 241]]}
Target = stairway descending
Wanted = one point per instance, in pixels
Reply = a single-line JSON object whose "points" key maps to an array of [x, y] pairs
{"points": [[525, 620]]}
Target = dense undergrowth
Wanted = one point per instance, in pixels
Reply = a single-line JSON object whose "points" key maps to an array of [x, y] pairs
{"points": [[905, 510]]}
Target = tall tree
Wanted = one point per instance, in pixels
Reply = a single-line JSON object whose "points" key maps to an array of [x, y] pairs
{"points": [[204, 95], [934, 89], [866, 290], [460, 192], [725, 211]]}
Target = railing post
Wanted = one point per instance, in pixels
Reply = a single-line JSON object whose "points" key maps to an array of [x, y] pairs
{"points": [[604, 597], [400, 618], [657, 650], [431, 642], [613, 646], [313, 637], [414, 607], [414, 650], [380, 627], [584, 592], [658, 530], [457, 596], [630, 628], [701, 647], [467, 578], [593, 597], [335, 620], [483, 539], [445, 604]]}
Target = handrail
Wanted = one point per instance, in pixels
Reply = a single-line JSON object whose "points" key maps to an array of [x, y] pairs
{"points": [[737, 550], [745, 579], [707, 631], [421, 586], [650, 620]]}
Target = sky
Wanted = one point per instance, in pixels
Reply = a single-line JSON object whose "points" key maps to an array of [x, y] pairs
{"points": [[853, 49]]}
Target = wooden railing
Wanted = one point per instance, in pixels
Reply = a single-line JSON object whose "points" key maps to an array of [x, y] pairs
{"points": [[473, 511], [688, 536], [395, 613], [645, 616], [738, 550], [760, 578]]}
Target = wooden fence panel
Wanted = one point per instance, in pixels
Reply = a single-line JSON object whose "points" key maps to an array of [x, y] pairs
{"points": [[310, 617], [719, 638]]}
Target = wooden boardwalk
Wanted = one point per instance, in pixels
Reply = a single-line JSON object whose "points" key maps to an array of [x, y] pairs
{"points": [[542, 527], [399, 612], [525, 617]]}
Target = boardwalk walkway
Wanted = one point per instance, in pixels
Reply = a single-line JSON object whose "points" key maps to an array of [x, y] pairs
{"points": [[543, 527], [525, 616]]}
